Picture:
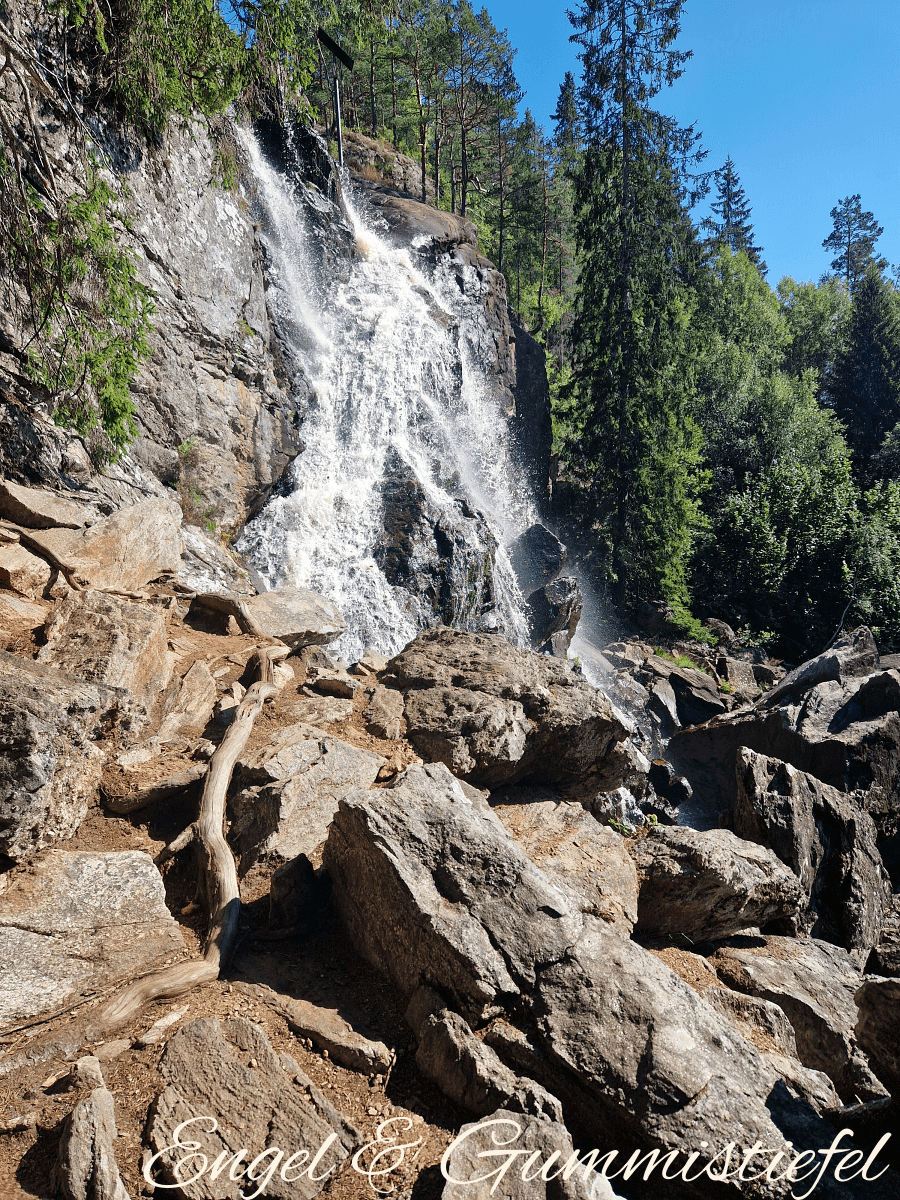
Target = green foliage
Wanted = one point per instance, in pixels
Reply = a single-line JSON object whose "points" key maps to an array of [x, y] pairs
{"points": [[852, 241], [817, 319], [88, 314], [733, 229]]}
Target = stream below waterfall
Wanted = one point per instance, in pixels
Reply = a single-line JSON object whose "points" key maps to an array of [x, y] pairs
{"points": [[402, 408]]}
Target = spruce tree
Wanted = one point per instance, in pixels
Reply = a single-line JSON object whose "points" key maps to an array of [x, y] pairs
{"points": [[865, 391], [852, 241], [733, 229], [629, 434]]}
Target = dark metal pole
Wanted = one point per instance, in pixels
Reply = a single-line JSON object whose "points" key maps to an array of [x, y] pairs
{"points": [[337, 119]]}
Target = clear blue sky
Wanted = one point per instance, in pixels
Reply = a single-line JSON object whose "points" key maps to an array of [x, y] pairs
{"points": [[803, 94]]}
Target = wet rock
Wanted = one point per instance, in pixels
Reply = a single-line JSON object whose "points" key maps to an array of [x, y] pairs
{"points": [[76, 921], [297, 617], [704, 885], [39, 508], [586, 860], [573, 726], [291, 790], [102, 639], [231, 1072], [554, 609], [433, 890], [384, 713], [814, 983], [878, 1030], [472, 1075], [86, 1167], [537, 557], [530, 1138], [327, 1030], [627, 655], [49, 765], [826, 840]]}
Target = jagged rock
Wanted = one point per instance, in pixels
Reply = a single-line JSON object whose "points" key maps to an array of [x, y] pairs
{"points": [[583, 858], [229, 1071], [208, 566], [21, 614], [481, 738], [23, 572], [853, 656], [383, 713], [697, 698], [332, 682], [193, 705], [86, 1072], [537, 557], [49, 765], [814, 983], [627, 655], [433, 890], [826, 840], [468, 1177], [291, 790], [86, 1167], [555, 609], [740, 676], [704, 885], [371, 663], [761, 1015], [885, 956], [128, 549], [102, 639], [38, 508], [494, 692], [878, 1030], [722, 630], [472, 1075], [297, 616], [620, 806], [326, 1029], [844, 732], [77, 920]]}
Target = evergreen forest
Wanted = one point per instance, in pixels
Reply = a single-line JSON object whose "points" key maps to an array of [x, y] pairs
{"points": [[726, 444]]}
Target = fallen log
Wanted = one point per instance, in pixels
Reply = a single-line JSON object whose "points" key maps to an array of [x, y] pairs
{"points": [[221, 886]]}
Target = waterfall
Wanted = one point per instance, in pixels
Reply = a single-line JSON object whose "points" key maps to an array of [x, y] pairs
{"points": [[402, 424]]}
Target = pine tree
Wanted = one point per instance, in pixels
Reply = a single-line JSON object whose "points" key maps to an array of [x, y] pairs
{"points": [[852, 241], [629, 433], [733, 229], [866, 388]]}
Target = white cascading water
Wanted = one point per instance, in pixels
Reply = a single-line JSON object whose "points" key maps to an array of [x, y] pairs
{"points": [[390, 359]]}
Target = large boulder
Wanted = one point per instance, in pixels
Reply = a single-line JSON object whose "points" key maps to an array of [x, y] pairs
{"points": [[697, 697], [49, 763], [21, 571], [520, 715], [248, 1098], [826, 840], [583, 858], [434, 891], [843, 731], [878, 1027], [40, 508], [708, 884], [75, 921], [815, 984], [102, 639], [297, 616], [554, 608], [290, 790]]}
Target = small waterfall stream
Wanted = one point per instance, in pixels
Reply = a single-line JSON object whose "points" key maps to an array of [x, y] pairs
{"points": [[402, 415]]}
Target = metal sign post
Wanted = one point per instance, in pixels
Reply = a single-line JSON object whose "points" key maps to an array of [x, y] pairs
{"points": [[343, 57]]}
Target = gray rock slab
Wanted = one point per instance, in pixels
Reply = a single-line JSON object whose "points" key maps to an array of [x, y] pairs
{"points": [[49, 763], [39, 508], [228, 1071], [130, 548], [826, 839], [815, 984], [77, 920], [297, 616], [292, 788], [878, 1027], [704, 884], [583, 858], [433, 890]]}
